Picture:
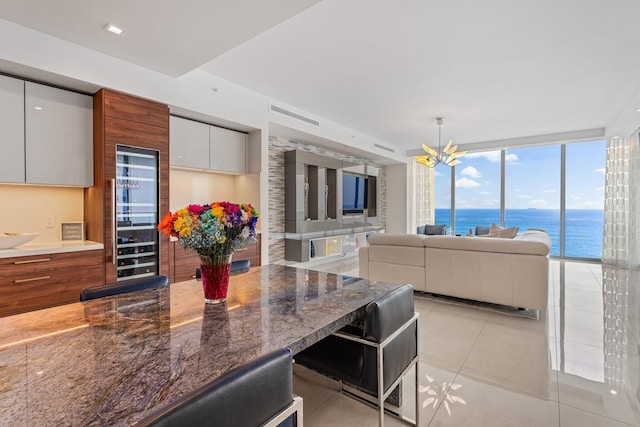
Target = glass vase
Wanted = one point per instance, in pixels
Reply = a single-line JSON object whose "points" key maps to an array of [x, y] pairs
{"points": [[215, 277]]}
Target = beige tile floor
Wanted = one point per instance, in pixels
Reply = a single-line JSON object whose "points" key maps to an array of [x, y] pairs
{"points": [[578, 365]]}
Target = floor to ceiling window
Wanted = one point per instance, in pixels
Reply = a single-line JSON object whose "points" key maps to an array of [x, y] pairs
{"points": [[442, 177], [532, 190], [584, 199], [477, 190], [535, 194]]}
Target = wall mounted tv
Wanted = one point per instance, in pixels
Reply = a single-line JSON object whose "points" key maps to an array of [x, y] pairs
{"points": [[354, 194]]}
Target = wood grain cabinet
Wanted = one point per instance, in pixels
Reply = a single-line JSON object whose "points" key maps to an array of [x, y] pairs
{"points": [[122, 120], [185, 263], [40, 281]]}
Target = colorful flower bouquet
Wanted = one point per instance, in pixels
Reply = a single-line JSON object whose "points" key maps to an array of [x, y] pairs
{"points": [[215, 232]]}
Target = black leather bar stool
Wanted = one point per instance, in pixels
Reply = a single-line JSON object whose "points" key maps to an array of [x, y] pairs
{"points": [[123, 287], [373, 359], [259, 393]]}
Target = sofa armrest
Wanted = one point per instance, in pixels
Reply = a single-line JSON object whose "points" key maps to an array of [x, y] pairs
{"points": [[363, 262]]}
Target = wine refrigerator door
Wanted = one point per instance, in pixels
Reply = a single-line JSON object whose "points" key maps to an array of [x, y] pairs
{"points": [[137, 214]]}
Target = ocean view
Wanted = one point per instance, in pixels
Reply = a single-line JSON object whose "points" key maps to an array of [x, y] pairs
{"points": [[583, 227]]}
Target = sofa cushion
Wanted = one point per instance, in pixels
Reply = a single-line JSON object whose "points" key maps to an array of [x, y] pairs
{"points": [[484, 244], [400, 249], [396, 239]]}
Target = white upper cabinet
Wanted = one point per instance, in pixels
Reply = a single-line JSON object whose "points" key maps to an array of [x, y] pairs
{"points": [[227, 150], [202, 146], [58, 136], [12, 125], [188, 143]]}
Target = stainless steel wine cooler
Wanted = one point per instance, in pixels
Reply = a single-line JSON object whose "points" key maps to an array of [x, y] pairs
{"points": [[135, 198]]}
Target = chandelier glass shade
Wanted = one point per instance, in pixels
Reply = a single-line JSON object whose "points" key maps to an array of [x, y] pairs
{"points": [[448, 156]]}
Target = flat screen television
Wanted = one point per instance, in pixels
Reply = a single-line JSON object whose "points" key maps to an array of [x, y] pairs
{"points": [[354, 194]]}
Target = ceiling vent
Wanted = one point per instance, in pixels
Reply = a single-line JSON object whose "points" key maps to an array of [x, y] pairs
{"points": [[294, 115], [385, 148]]}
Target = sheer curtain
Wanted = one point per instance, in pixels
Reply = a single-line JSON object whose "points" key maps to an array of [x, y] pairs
{"points": [[622, 203], [423, 195]]}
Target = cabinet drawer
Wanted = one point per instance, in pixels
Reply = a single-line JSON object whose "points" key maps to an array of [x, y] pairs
{"points": [[29, 291], [37, 264]]}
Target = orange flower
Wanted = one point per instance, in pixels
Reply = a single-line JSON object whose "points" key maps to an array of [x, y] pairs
{"points": [[166, 223]]}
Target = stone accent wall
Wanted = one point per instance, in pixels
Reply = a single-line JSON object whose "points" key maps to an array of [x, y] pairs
{"points": [[277, 147]]}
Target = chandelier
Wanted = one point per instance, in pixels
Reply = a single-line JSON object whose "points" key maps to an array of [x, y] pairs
{"points": [[448, 156]]}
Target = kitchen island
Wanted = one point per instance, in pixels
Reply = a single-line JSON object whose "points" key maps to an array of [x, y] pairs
{"points": [[111, 360]]}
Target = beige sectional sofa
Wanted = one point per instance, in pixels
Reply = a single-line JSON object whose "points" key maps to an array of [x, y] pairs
{"points": [[513, 272]]}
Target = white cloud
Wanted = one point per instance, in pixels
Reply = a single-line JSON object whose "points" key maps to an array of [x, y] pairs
{"points": [[575, 197], [538, 203], [470, 171], [466, 183], [437, 173], [492, 156], [548, 191], [523, 196], [511, 158], [484, 193], [601, 170]]}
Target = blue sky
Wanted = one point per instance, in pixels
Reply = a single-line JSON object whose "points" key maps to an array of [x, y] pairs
{"points": [[532, 178]]}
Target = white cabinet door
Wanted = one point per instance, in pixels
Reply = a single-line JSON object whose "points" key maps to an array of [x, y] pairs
{"points": [[227, 150], [12, 125], [58, 136], [188, 143]]}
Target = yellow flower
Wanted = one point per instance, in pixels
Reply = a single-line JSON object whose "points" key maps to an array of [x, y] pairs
{"points": [[218, 212], [186, 231]]}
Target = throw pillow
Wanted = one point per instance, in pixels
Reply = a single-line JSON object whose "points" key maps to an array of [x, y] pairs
{"points": [[434, 230], [505, 233], [508, 233], [495, 228], [482, 230]]}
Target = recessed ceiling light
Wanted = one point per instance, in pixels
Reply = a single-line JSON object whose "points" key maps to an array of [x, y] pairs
{"points": [[37, 108], [114, 29], [638, 110]]}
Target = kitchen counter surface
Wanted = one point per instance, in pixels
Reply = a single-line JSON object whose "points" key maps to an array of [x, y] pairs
{"points": [[50, 248]]}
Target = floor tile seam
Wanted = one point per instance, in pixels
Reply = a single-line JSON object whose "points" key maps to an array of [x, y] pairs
{"points": [[323, 402], [457, 372], [593, 346], [507, 387], [596, 413], [488, 311], [308, 415]]}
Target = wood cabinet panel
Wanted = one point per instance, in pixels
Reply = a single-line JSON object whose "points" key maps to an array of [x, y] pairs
{"points": [[40, 281], [136, 109], [121, 119], [186, 262]]}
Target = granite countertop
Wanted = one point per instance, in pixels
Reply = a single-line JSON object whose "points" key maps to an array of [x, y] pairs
{"points": [[111, 360], [50, 248]]}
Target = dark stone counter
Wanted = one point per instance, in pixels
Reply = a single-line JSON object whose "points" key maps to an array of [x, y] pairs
{"points": [[111, 360]]}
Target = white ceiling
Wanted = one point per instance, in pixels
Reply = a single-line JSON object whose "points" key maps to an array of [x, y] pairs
{"points": [[494, 69]]}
